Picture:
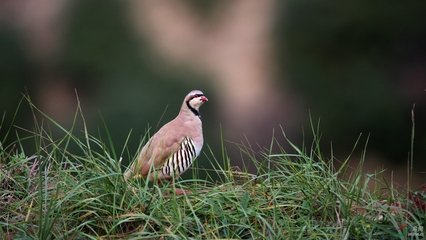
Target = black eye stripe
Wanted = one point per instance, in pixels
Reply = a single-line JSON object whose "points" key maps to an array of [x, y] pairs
{"points": [[196, 95]]}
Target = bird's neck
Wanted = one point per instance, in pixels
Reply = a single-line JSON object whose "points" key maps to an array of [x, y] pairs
{"points": [[193, 110]]}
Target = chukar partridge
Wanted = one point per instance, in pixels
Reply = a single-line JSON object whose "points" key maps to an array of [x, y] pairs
{"points": [[172, 150]]}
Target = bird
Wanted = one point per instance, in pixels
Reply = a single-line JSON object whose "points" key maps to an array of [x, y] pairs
{"points": [[175, 146]]}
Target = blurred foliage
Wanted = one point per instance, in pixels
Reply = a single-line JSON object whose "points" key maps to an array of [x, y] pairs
{"points": [[14, 70], [346, 58]]}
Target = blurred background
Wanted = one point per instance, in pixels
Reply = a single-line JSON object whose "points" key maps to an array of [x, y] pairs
{"points": [[358, 66]]}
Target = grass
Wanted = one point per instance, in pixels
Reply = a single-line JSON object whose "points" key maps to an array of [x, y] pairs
{"points": [[71, 186]]}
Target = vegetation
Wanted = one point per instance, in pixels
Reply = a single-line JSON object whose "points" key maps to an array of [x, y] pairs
{"points": [[72, 187]]}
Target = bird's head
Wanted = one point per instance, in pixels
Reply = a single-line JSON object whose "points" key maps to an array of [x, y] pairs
{"points": [[194, 100]]}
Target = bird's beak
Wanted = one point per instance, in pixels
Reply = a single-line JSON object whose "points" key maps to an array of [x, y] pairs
{"points": [[204, 99]]}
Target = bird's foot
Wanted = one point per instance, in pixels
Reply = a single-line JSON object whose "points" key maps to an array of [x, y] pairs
{"points": [[179, 191]]}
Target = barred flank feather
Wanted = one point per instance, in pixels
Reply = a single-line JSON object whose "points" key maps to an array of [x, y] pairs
{"points": [[181, 160]]}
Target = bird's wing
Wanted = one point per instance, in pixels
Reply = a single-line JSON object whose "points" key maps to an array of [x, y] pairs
{"points": [[159, 148]]}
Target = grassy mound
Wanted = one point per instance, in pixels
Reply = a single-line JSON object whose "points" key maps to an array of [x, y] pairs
{"points": [[72, 187]]}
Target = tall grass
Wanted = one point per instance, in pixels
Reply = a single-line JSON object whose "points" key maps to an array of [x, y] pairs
{"points": [[72, 186]]}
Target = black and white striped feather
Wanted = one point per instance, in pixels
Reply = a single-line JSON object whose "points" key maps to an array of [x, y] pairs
{"points": [[181, 160]]}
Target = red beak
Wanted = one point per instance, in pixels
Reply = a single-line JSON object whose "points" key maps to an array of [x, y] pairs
{"points": [[204, 99]]}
